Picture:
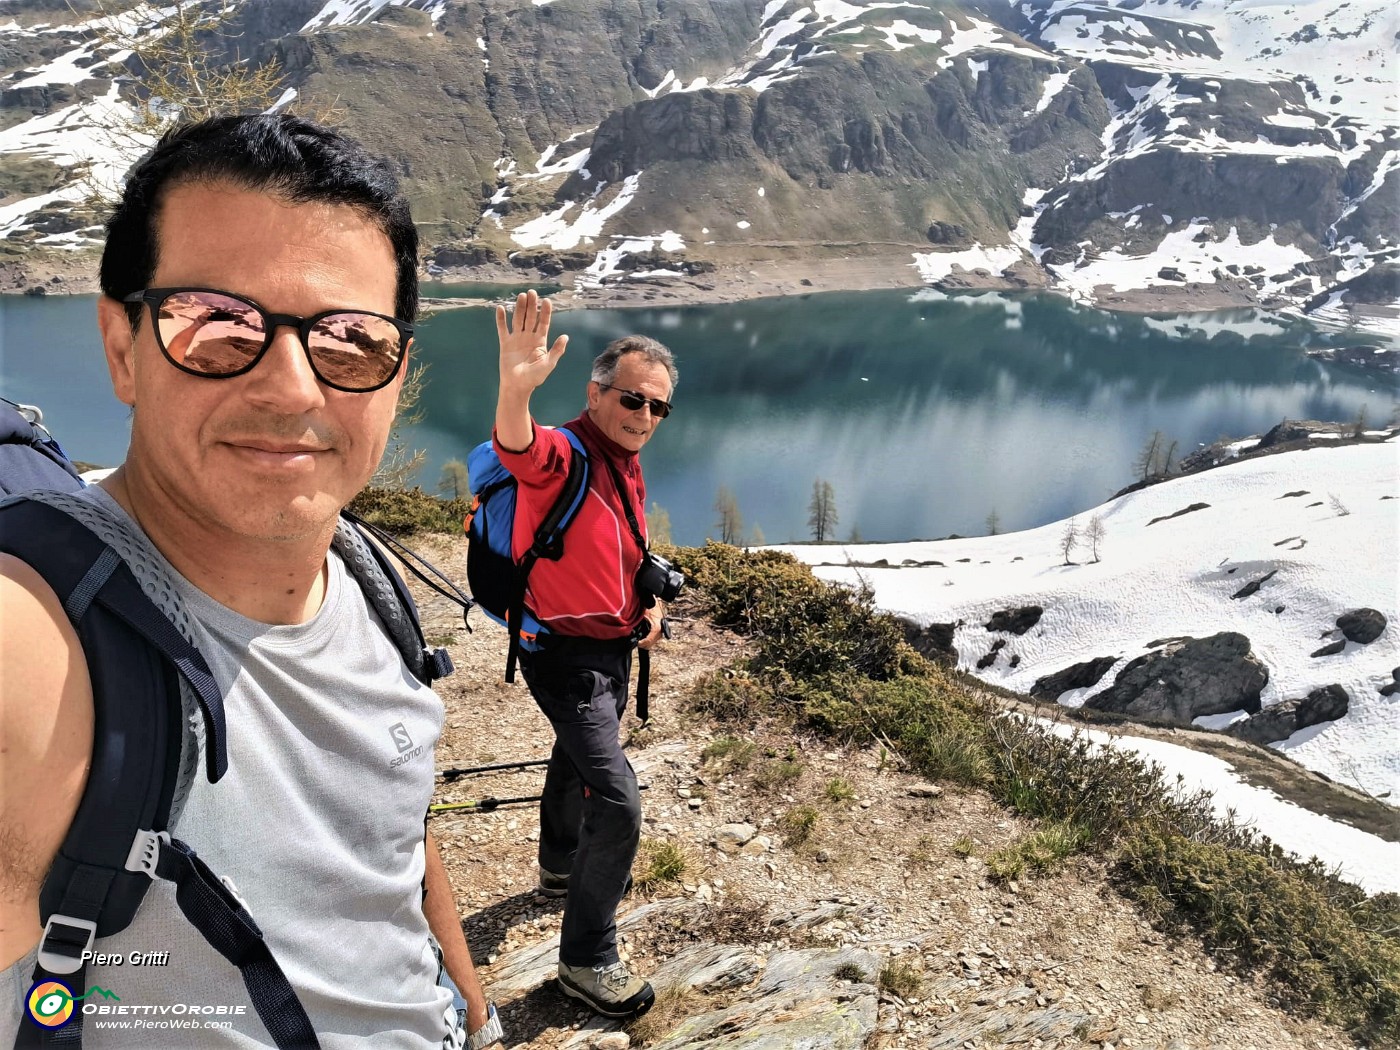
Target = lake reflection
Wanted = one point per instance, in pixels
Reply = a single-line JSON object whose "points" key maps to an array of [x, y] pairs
{"points": [[924, 413]]}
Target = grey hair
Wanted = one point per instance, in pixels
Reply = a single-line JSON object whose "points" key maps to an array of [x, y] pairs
{"points": [[605, 364]]}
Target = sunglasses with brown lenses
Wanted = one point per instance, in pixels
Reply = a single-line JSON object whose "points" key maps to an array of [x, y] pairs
{"points": [[632, 400], [207, 332]]}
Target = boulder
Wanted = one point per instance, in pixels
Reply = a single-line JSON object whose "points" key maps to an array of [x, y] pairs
{"points": [[947, 233], [1291, 430], [732, 837], [1331, 649], [1282, 720], [1076, 676], [1253, 585], [1362, 626], [1015, 621], [1187, 678], [934, 641], [1393, 686]]}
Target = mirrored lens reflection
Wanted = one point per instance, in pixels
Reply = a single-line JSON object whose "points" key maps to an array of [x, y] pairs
{"points": [[211, 333], [355, 350]]}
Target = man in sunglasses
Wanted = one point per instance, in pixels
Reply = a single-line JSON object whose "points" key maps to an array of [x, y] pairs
{"points": [[590, 598], [259, 287]]}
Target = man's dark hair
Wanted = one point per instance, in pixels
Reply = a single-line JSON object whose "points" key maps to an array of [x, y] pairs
{"points": [[283, 156], [605, 364]]}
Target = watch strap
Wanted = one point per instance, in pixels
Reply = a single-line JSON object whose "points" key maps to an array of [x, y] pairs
{"points": [[488, 1033]]}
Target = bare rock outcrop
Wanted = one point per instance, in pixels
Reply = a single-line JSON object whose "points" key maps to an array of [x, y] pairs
{"points": [[1362, 626], [1187, 678], [1282, 720], [1076, 676]]}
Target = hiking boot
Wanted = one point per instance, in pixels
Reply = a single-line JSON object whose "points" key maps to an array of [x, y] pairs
{"points": [[552, 885], [611, 990]]}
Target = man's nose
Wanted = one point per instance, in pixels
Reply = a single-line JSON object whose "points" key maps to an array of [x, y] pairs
{"points": [[284, 377]]}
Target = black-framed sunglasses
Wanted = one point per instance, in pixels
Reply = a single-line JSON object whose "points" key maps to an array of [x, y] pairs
{"points": [[632, 401], [207, 332]]}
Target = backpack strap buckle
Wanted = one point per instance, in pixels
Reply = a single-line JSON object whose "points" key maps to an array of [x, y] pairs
{"points": [[66, 940], [145, 851]]}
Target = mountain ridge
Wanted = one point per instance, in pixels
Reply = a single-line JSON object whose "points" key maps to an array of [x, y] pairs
{"points": [[1122, 155]]}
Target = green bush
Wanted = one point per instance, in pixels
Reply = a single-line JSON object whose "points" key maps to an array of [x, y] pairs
{"points": [[777, 774], [405, 511], [732, 695], [1271, 918], [839, 789], [659, 863], [1111, 792], [807, 627]]}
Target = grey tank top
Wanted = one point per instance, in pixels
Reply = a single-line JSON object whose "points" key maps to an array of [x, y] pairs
{"points": [[318, 823]]}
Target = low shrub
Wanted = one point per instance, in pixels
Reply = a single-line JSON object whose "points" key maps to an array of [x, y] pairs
{"points": [[777, 774], [839, 789], [797, 825], [732, 696], [405, 511], [901, 979], [799, 623], [729, 752], [850, 972], [1269, 917], [1041, 851], [658, 863]]}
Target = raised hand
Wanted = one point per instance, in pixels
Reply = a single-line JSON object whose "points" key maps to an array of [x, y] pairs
{"points": [[527, 359]]}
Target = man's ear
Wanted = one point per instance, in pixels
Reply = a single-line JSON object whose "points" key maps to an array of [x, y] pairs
{"points": [[118, 345], [595, 395]]}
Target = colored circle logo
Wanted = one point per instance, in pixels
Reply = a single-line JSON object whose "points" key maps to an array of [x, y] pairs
{"points": [[50, 1004]]}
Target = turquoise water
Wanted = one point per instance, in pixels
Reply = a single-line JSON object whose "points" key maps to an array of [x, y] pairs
{"points": [[924, 413]]}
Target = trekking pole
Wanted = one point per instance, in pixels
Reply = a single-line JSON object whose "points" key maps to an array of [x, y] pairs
{"points": [[481, 805], [486, 805], [451, 774]]}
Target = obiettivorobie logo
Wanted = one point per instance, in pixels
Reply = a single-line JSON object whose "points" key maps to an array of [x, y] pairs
{"points": [[50, 1003]]}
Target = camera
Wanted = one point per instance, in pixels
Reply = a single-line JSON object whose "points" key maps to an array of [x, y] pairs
{"points": [[658, 578]]}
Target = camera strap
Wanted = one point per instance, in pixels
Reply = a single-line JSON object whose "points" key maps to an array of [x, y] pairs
{"points": [[643, 705], [626, 503]]}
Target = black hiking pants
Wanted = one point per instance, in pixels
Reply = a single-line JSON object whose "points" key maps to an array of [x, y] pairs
{"points": [[591, 809]]}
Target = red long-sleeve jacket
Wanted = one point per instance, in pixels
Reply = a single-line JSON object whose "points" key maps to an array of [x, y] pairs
{"points": [[590, 591]]}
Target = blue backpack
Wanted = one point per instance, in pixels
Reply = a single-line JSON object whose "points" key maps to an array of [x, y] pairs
{"points": [[29, 456], [496, 579], [119, 840]]}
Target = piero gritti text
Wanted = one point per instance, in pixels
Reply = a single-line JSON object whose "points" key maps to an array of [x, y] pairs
{"points": [[131, 959]]}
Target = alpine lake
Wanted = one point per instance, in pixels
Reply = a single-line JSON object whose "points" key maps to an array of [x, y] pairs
{"points": [[925, 413]]}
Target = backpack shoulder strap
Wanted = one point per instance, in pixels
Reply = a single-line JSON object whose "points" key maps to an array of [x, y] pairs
{"points": [[118, 840], [549, 537], [389, 595], [548, 542]]}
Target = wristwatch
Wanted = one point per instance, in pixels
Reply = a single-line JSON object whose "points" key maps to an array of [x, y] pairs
{"points": [[488, 1033]]}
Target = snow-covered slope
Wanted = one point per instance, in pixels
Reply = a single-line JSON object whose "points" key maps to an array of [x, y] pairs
{"points": [[1323, 525]]}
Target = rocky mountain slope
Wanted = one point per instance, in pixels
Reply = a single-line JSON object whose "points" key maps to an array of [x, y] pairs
{"points": [[1229, 147]]}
